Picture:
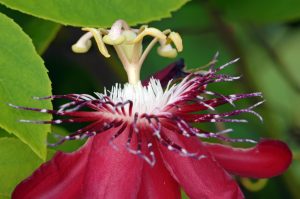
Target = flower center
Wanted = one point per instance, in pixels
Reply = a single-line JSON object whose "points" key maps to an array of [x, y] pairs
{"points": [[128, 44], [151, 99]]}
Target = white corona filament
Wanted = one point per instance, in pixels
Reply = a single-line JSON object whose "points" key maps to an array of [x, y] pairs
{"points": [[150, 99]]}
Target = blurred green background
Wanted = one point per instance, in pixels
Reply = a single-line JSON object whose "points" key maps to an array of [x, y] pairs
{"points": [[264, 34]]}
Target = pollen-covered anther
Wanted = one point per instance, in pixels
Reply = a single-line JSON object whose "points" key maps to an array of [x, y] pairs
{"points": [[97, 34], [176, 39], [113, 41], [166, 49], [128, 44], [114, 36], [151, 32], [83, 44]]}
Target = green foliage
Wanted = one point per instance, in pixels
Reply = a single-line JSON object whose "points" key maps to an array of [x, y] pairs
{"points": [[17, 162], [265, 60], [22, 76], [260, 12], [3, 133], [101, 13], [41, 32]]}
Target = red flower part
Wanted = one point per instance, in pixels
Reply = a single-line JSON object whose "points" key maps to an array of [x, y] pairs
{"points": [[157, 182], [134, 123], [172, 71], [204, 178], [95, 171], [267, 159]]}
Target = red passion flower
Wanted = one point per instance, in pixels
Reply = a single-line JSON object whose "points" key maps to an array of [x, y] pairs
{"points": [[141, 137]]}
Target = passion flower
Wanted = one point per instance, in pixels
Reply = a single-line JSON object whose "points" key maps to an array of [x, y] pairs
{"points": [[141, 137]]}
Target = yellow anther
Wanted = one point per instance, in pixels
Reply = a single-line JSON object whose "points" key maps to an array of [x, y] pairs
{"points": [[108, 40], [167, 31], [114, 35], [83, 44], [142, 28], [103, 31], [98, 38], [167, 51], [152, 32], [176, 39], [128, 44], [82, 47]]}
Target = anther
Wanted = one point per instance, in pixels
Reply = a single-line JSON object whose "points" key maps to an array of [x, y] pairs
{"points": [[176, 39], [152, 32], [98, 38], [83, 44]]}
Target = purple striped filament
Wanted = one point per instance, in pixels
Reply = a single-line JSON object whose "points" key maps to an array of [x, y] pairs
{"points": [[151, 113]]}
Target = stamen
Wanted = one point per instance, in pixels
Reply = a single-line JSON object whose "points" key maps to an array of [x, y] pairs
{"points": [[115, 36], [98, 38], [128, 45], [152, 32], [167, 51], [83, 44], [176, 39]]}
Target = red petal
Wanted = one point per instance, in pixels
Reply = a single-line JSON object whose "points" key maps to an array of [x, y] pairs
{"points": [[157, 182], [95, 171], [267, 159], [172, 71], [203, 178]]}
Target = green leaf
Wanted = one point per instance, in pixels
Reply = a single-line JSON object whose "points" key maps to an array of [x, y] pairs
{"points": [[16, 163], [271, 82], [179, 22], [260, 11], [3, 133], [22, 76], [96, 13], [41, 32]]}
